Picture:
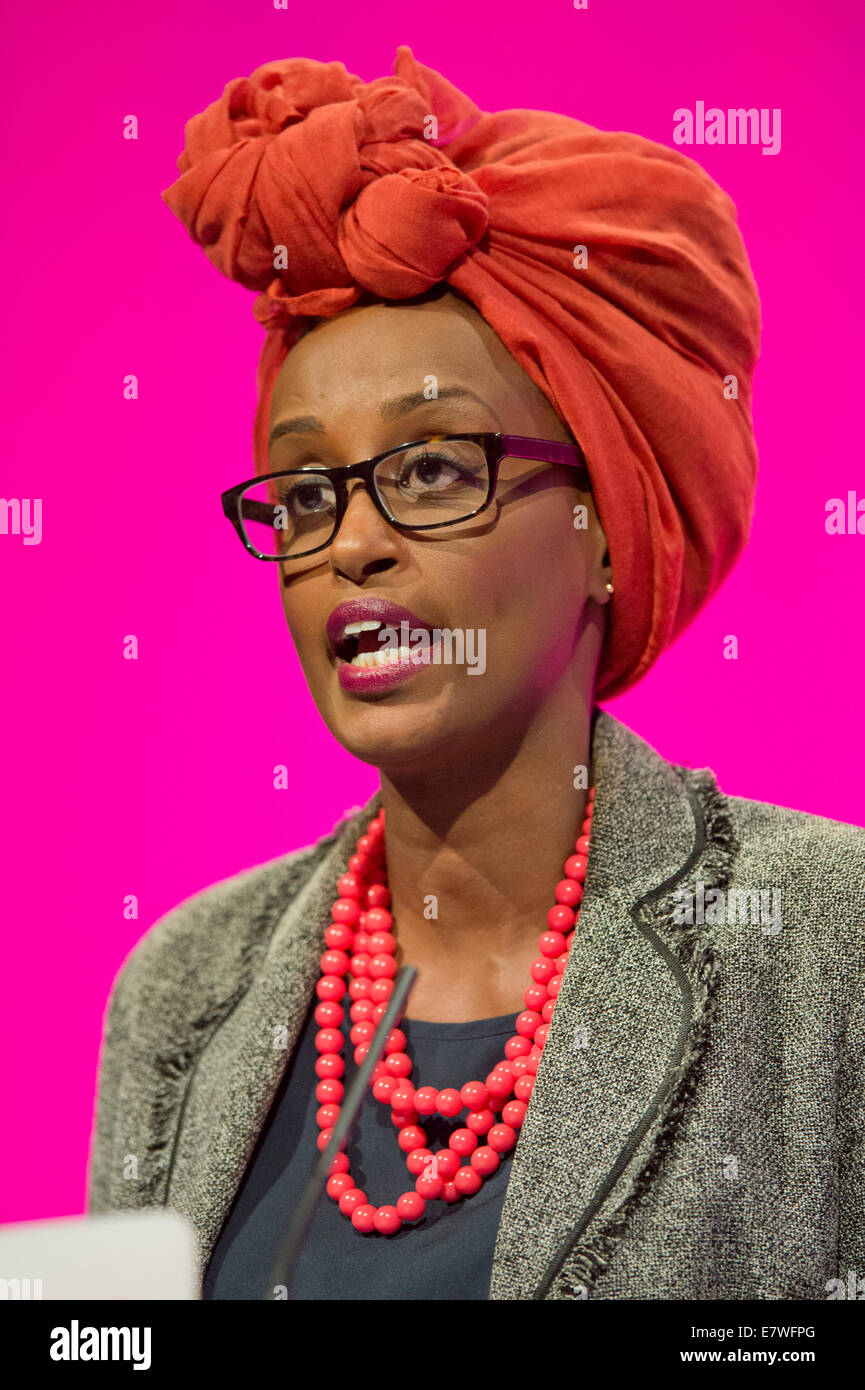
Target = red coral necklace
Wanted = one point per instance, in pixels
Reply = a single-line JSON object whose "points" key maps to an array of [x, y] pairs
{"points": [[360, 943]]}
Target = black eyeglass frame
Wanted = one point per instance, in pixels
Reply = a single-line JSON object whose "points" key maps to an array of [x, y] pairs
{"points": [[495, 446]]}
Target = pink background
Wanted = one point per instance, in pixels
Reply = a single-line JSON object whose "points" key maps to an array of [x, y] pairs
{"points": [[129, 777]]}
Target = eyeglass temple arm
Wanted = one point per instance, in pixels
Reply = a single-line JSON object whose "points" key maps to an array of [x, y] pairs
{"points": [[544, 450], [258, 511]]}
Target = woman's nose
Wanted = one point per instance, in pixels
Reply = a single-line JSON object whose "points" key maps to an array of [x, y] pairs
{"points": [[359, 515]]}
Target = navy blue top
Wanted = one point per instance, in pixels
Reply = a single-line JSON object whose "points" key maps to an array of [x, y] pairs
{"points": [[448, 1254]]}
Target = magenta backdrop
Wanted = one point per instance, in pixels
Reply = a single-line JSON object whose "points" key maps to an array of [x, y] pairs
{"points": [[129, 776]]}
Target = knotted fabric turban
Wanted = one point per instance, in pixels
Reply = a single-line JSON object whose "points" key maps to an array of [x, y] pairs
{"points": [[383, 189]]}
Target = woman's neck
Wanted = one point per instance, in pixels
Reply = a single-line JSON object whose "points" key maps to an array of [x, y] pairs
{"points": [[473, 862]]}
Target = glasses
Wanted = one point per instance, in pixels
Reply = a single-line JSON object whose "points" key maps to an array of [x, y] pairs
{"points": [[439, 481]]}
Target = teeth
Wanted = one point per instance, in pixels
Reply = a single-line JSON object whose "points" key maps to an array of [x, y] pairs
{"points": [[367, 625], [385, 658]]}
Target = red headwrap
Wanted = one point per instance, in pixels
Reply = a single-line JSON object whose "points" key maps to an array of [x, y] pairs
{"points": [[388, 187]]}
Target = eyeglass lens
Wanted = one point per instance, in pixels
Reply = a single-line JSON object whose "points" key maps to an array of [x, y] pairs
{"points": [[434, 482]]}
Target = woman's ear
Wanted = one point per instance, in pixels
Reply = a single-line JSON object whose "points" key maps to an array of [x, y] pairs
{"points": [[605, 583], [601, 587]]}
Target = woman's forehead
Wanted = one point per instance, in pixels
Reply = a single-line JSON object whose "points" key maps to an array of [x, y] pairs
{"points": [[435, 335]]}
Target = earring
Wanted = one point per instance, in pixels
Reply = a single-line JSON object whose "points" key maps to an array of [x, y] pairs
{"points": [[609, 587]]}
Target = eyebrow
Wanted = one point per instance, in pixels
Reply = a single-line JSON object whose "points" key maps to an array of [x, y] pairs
{"points": [[389, 410]]}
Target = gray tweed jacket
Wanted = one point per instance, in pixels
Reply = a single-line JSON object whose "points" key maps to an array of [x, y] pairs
{"points": [[697, 1127]]}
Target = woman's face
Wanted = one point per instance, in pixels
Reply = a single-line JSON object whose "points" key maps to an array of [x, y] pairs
{"points": [[521, 571]]}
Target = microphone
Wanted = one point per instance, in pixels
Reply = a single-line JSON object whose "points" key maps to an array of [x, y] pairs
{"points": [[285, 1264]]}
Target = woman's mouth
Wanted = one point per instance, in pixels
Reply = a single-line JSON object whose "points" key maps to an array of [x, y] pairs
{"points": [[382, 658], [370, 669]]}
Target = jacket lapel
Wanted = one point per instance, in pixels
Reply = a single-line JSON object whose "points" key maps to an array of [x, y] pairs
{"points": [[628, 1028], [239, 1071]]}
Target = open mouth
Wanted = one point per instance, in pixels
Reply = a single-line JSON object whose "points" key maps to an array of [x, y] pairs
{"points": [[360, 646]]}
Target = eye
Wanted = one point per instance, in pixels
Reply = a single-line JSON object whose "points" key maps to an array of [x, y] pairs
{"points": [[308, 497], [433, 471], [305, 498]]}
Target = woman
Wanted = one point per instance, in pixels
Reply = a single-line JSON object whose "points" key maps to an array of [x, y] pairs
{"points": [[621, 1073]]}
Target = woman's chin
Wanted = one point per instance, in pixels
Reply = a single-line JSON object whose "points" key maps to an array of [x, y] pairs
{"points": [[391, 736]]}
